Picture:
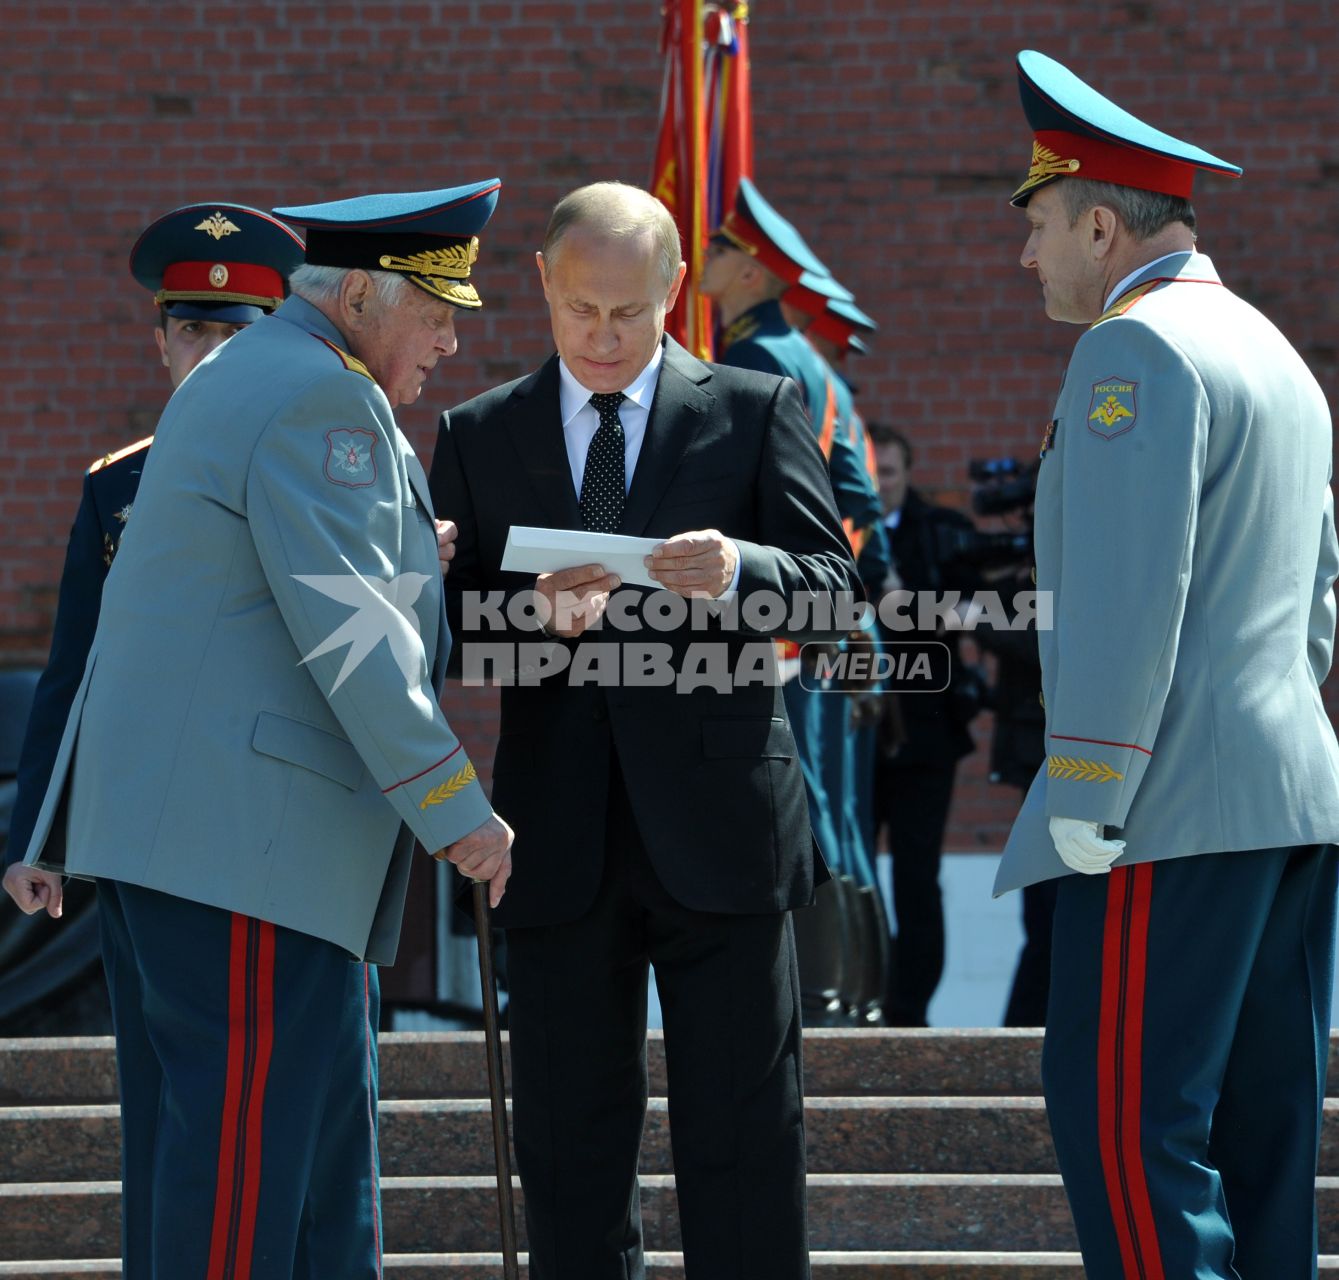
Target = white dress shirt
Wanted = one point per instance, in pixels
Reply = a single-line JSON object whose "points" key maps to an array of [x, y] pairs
{"points": [[580, 421], [1138, 271]]}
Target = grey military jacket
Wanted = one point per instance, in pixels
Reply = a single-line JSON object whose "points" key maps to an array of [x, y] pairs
{"points": [[258, 725], [1184, 524]]}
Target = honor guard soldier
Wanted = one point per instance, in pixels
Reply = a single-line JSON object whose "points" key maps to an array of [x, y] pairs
{"points": [[275, 618], [826, 314], [1184, 528], [752, 258], [212, 269]]}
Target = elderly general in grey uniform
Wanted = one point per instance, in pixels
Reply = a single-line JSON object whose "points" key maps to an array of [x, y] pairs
{"points": [[1184, 524], [256, 744]]}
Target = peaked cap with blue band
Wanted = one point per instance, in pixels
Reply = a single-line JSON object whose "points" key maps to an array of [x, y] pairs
{"points": [[756, 228], [429, 237], [1079, 133], [221, 262]]}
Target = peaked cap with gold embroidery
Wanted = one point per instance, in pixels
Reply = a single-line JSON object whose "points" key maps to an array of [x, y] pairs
{"points": [[429, 237], [221, 262], [1077, 133]]}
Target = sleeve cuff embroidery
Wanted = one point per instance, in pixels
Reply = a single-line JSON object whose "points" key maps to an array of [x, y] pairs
{"points": [[456, 783]]}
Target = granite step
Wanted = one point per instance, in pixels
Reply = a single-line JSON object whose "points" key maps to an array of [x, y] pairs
{"points": [[669, 1266], [845, 1063], [838, 1063], [847, 1212], [455, 1137]]}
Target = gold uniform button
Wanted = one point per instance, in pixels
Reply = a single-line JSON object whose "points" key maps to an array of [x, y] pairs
{"points": [[1034, 575]]}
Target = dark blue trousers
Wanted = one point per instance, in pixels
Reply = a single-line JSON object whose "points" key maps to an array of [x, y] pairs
{"points": [[1184, 1067], [247, 1063]]}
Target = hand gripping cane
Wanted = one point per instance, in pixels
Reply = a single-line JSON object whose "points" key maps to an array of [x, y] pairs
{"points": [[497, 1095]]}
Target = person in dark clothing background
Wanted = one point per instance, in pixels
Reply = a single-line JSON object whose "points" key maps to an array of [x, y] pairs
{"points": [[914, 786], [1017, 750]]}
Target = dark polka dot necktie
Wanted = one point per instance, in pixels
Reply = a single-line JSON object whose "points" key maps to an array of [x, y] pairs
{"points": [[602, 483]]}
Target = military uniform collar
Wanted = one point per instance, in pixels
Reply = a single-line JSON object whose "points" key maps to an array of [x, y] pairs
{"points": [[1184, 266], [765, 318], [298, 311], [311, 319]]}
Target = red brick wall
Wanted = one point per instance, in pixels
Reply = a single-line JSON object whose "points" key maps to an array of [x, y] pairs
{"points": [[890, 133]]}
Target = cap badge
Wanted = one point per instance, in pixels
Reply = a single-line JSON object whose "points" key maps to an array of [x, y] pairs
{"points": [[218, 226], [218, 275], [1046, 164]]}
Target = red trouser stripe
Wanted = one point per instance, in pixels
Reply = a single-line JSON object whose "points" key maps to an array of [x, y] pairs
{"points": [[1120, 1045], [250, 1044]]}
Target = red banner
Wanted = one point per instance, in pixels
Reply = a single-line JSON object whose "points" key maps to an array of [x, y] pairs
{"points": [[705, 141]]}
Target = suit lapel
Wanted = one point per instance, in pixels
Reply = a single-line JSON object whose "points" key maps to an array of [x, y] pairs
{"points": [[535, 425], [678, 411]]}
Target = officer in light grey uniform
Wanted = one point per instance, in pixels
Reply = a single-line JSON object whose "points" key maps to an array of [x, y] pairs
{"points": [[257, 742], [1184, 526]]}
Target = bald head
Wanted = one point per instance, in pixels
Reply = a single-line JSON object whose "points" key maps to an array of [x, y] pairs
{"points": [[616, 211]]}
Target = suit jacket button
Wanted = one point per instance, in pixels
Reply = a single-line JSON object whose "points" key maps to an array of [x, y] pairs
{"points": [[599, 714]]}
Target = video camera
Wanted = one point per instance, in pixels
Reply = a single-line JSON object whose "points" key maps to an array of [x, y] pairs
{"points": [[1002, 485]]}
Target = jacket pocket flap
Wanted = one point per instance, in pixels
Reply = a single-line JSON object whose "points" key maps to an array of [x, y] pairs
{"points": [[758, 739], [304, 744]]}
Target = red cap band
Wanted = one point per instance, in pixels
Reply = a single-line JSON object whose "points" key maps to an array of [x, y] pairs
{"points": [[226, 281], [744, 235], [832, 328], [1102, 161]]}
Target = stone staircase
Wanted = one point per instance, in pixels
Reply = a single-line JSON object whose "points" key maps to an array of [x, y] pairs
{"points": [[929, 1159]]}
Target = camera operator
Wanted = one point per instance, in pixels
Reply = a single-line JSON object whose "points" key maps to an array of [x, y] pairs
{"points": [[1006, 488], [914, 783]]}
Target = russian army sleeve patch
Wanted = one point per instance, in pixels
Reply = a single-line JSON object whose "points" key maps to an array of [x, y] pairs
{"points": [[1113, 409], [350, 458]]}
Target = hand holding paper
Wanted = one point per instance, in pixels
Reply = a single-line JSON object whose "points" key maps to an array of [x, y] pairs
{"points": [[577, 598], [701, 563], [532, 550]]}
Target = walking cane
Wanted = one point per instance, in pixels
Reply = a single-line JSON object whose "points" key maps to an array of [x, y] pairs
{"points": [[497, 1095]]}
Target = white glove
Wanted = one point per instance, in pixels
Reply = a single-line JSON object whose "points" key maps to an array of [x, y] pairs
{"points": [[1081, 847]]}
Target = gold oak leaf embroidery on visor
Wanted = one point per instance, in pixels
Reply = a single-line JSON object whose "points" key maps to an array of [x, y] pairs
{"points": [[457, 782], [1081, 770]]}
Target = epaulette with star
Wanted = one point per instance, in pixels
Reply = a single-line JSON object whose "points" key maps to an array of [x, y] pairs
{"points": [[349, 362], [117, 454]]}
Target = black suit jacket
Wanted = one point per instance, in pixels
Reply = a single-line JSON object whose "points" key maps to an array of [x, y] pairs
{"points": [[712, 775]]}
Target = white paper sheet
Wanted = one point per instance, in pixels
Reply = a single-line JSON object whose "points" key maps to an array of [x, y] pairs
{"points": [[532, 550]]}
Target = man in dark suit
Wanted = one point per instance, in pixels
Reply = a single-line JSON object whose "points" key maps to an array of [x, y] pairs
{"points": [[657, 822], [914, 787]]}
